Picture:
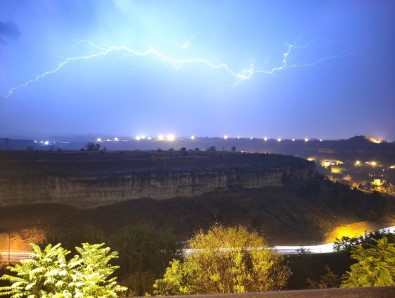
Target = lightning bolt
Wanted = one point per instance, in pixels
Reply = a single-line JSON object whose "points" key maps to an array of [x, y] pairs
{"points": [[155, 55]]}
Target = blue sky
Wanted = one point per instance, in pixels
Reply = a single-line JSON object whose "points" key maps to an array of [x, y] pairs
{"points": [[204, 68]]}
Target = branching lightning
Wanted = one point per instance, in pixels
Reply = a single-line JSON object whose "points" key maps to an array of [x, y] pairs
{"points": [[155, 55]]}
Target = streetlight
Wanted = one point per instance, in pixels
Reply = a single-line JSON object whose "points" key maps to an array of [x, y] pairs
{"points": [[9, 245], [9, 248]]}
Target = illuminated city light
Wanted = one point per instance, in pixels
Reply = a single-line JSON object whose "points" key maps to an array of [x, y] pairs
{"points": [[116, 139], [321, 140], [98, 140], [293, 140], [336, 170], [378, 182], [357, 163], [279, 140], [355, 229], [160, 137], [137, 138], [374, 140], [46, 143], [171, 137], [306, 140], [265, 139], [325, 163], [192, 137], [225, 137]]}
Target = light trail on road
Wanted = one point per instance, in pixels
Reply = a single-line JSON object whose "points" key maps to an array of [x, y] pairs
{"points": [[13, 257]]}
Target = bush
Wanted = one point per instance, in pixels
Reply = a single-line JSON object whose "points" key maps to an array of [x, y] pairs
{"points": [[49, 274], [144, 253], [224, 260]]}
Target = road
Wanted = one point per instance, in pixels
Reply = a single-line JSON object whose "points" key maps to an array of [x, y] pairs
{"points": [[13, 257]]}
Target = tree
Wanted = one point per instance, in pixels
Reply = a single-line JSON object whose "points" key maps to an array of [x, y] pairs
{"points": [[183, 151], [327, 280], [212, 149], [49, 274], [92, 146], [75, 235], [375, 265], [225, 260], [346, 243], [144, 253]]}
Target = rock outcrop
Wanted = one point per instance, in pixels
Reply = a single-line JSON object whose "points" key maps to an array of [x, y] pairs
{"points": [[91, 179]]}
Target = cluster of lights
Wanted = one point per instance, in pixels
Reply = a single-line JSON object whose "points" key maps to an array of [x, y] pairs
{"points": [[46, 143], [330, 163], [115, 139], [169, 137], [371, 163]]}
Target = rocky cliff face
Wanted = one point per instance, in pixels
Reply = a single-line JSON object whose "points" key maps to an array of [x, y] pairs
{"points": [[87, 181]]}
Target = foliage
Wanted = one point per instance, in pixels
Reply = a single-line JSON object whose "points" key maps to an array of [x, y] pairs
{"points": [[225, 260], [375, 265], [75, 235], [212, 149], [144, 253], [347, 243], [309, 270], [327, 280], [92, 146], [49, 274]]}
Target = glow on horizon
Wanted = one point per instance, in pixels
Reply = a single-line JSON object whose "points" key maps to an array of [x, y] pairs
{"points": [[171, 137]]}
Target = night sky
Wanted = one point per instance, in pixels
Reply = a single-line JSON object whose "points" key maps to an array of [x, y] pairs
{"points": [[289, 69]]}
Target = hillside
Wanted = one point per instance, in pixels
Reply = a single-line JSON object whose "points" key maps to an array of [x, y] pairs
{"points": [[281, 196], [91, 179]]}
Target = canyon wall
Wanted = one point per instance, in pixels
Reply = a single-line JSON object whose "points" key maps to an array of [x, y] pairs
{"points": [[87, 183]]}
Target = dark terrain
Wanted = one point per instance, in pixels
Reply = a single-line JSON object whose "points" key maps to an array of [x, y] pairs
{"points": [[301, 210]]}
